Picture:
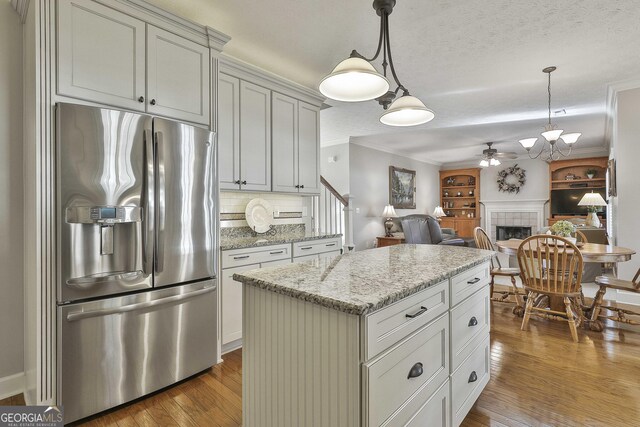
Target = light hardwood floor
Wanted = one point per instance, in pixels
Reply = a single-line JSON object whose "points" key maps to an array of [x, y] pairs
{"points": [[539, 378]]}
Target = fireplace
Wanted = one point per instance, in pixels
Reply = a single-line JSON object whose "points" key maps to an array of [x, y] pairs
{"points": [[506, 232]]}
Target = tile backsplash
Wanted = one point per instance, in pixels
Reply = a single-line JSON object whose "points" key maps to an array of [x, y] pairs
{"points": [[288, 209]]}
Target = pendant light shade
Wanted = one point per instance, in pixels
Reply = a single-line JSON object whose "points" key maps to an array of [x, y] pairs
{"points": [[528, 142], [407, 111], [552, 135], [354, 80], [570, 138]]}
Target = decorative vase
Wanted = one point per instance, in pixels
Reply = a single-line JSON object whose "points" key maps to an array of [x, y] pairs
{"points": [[593, 220], [590, 175]]}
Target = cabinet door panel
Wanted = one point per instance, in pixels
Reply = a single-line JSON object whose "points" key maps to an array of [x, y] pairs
{"points": [[232, 303], [177, 77], [255, 137], [308, 148], [228, 131], [101, 54], [284, 123]]}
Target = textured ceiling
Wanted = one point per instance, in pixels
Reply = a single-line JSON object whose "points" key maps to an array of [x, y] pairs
{"points": [[476, 63]]}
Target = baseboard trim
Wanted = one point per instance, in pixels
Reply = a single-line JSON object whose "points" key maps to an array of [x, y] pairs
{"points": [[11, 385], [231, 346]]}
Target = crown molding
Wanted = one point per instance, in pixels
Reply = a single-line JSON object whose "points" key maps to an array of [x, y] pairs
{"points": [[21, 7]]}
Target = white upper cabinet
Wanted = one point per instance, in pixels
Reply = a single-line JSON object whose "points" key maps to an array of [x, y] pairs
{"points": [[255, 137], [308, 148], [229, 132], [177, 77], [101, 55], [284, 128], [108, 57]]}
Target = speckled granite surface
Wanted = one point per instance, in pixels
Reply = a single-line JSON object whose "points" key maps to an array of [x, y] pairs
{"points": [[241, 232], [365, 281], [232, 242]]}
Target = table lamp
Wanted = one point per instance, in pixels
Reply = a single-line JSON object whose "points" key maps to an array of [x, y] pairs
{"points": [[389, 212], [592, 201], [438, 213]]}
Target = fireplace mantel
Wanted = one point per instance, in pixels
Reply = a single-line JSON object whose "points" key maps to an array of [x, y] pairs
{"points": [[536, 206]]}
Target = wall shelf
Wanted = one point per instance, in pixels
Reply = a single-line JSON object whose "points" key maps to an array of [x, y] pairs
{"points": [[452, 204]]}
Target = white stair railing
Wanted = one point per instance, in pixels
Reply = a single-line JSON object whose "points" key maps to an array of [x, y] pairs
{"points": [[332, 215]]}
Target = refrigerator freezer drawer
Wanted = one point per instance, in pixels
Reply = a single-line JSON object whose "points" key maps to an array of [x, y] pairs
{"points": [[119, 349]]}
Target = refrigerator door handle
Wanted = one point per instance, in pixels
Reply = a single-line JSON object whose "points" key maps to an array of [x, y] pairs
{"points": [[149, 207], [160, 204], [79, 315]]}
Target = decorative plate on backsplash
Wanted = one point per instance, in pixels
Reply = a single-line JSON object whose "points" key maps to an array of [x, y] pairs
{"points": [[259, 214]]}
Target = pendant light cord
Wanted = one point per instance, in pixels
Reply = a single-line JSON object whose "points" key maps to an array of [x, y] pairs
{"points": [[549, 91]]}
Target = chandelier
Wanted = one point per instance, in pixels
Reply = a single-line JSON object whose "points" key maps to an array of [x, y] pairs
{"points": [[552, 134], [355, 80]]}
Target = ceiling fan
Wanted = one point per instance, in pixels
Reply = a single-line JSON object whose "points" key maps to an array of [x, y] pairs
{"points": [[491, 156]]}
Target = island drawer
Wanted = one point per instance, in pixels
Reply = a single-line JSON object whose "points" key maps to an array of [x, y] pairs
{"points": [[470, 323], [469, 380], [391, 324], [240, 257], [420, 363], [425, 410], [316, 246], [468, 282]]}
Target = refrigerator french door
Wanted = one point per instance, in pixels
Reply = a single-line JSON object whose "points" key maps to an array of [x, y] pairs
{"points": [[136, 290]]}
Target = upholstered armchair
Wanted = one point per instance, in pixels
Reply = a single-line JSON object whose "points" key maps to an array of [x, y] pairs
{"points": [[425, 229]]}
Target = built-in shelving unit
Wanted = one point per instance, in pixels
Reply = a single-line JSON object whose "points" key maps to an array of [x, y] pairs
{"points": [[460, 200]]}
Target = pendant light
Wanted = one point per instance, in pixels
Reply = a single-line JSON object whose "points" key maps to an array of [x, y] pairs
{"points": [[355, 79], [551, 134]]}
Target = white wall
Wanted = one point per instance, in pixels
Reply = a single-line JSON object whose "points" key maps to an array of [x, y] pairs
{"points": [[369, 189], [337, 173], [626, 151], [11, 280]]}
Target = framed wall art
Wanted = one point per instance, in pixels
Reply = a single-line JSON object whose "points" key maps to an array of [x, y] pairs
{"points": [[402, 188]]}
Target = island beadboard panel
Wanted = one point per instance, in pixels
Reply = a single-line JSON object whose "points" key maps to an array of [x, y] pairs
{"points": [[365, 339]]}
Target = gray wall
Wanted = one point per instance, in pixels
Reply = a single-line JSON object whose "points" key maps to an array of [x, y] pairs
{"points": [[11, 287], [337, 173], [536, 187], [369, 189], [626, 151]]}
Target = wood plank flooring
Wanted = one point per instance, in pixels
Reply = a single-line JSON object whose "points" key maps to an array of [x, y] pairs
{"points": [[539, 378]]}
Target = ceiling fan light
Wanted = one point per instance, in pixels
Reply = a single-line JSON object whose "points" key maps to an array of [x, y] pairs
{"points": [[407, 111], [484, 163], [494, 162], [552, 135], [528, 143], [354, 80], [571, 138]]}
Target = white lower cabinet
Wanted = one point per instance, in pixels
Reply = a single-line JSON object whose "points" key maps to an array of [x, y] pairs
{"points": [[232, 303], [468, 381], [425, 410]]}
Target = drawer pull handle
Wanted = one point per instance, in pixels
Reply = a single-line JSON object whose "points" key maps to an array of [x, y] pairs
{"points": [[416, 371], [473, 321], [330, 244], [276, 252], [241, 257], [306, 247], [474, 280], [473, 377], [417, 313]]}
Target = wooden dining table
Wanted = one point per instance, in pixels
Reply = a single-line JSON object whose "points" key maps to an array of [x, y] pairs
{"points": [[591, 252]]}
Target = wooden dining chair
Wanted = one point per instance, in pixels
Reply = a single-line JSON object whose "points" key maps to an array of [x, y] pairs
{"points": [[581, 237], [551, 266], [483, 242], [608, 282]]}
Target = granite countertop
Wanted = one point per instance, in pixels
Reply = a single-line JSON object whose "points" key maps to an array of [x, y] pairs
{"points": [[365, 281], [240, 242]]}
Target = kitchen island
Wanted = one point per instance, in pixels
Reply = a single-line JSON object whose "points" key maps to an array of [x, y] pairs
{"points": [[389, 336]]}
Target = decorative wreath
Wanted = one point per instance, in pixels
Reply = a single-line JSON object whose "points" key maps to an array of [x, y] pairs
{"points": [[511, 179]]}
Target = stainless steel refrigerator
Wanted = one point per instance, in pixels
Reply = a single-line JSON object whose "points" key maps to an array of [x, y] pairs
{"points": [[136, 255]]}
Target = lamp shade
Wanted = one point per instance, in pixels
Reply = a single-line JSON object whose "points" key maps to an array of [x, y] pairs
{"points": [[494, 162], [438, 212], [484, 163], [389, 212], [527, 143], [407, 111], [592, 199], [354, 80], [552, 135], [570, 138]]}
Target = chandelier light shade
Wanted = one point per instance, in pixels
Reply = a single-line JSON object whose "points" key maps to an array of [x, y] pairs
{"points": [[551, 134], [407, 111], [484, 163], [355, 79]]}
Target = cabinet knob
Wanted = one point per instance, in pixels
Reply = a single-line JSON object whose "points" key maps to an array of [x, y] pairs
{"points": [[141, 99], [153, 102], [237, 182], [244, 182], [416, 371], [302, 186], [297, 186]]}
